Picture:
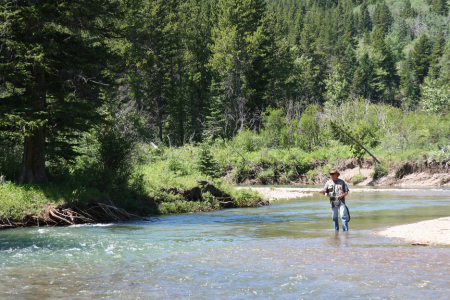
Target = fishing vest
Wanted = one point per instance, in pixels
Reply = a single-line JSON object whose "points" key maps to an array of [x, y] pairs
{"points": [[334, 190]]}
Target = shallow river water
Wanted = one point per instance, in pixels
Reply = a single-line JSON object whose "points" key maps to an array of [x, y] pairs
{"points": [[288, 250]]}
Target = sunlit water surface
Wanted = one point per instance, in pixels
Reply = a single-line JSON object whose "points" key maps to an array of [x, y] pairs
{"points": [[288, 250]]}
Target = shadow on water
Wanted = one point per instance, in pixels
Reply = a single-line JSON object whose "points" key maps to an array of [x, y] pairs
{"points": [[288, 250]]}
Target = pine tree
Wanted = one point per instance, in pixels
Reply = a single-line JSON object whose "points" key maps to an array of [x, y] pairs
{"points": [[421, 57], [53, 55], [439, 7], [365, 23], [382, 17], [236, 41], [347, 33], [409, 83], [278, 65], [349, 62], [158, 34], [363, 80], [444, 76], [408, 11], [436, 55], [189, 106], [385, 63]]}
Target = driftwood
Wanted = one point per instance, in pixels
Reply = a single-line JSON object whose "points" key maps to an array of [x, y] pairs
{"points": [[58, 216]]}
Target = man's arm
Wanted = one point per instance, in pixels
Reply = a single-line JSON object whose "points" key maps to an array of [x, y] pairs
{"points": [[343, 195], [324, 190], [346, 191]]}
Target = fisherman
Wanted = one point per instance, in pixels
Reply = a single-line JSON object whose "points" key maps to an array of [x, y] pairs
{"points": [[337, 189]]}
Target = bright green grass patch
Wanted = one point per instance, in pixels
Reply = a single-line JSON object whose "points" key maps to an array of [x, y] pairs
{"points": [[358, 178], [182, 206], [16, 201]]}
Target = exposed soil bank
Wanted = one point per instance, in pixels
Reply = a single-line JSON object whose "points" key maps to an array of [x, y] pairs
{"points": [[406, 174]]}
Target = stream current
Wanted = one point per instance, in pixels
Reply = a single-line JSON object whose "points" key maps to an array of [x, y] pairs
{"points": [[288, 250]]}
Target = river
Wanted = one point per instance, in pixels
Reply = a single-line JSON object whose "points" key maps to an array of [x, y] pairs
{"points": [[288, 250]]}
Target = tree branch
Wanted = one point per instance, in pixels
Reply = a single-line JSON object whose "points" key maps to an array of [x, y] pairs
{"points": [[342, 130]]}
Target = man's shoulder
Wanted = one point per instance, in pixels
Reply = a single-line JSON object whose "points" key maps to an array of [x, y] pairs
{"points": [[340, 181]]}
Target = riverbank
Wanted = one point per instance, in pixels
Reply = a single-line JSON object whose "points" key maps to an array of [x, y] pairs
{"points": [[167, 187], [39, 205], [425, 233]]}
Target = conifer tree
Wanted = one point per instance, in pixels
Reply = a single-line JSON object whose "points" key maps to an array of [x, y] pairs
{"points": [[53, 55], [236, 40], [436, 55], [444, 77], [365, 23], [385, 62], [349, 62], [193, 78], [363, 80], [421, 57], [409, 83], [408, 11], [439, 7], [382, 16]]}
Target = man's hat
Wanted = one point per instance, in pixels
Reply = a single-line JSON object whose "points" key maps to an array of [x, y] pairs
{"points": [[334, 171]]}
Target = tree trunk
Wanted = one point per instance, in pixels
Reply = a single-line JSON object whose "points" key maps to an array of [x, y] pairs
{"points": [[33, 164]]}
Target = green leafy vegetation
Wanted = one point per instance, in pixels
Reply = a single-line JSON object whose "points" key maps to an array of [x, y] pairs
{"points": [[137, 102], [357, 178]]}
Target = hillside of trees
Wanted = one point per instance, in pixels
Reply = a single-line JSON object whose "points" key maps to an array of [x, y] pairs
{"points": [[86, 85]]}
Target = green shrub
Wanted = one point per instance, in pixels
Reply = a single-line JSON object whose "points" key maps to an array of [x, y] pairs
{"points": [[284, 179], [380, 170], [177, 166], [358, 178], [246, 197], [206, 163], [267, 176], [241, 172]]}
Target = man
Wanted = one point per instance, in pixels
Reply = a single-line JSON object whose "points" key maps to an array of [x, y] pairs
{"points": [[337, 189]]}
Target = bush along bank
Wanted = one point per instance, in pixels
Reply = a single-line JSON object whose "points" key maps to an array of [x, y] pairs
{"points": [[192, 179], [33, 207]]}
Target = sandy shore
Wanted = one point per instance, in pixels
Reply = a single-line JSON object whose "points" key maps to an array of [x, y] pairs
{"points": [[283, 193], [432, 232], [277, 193]]}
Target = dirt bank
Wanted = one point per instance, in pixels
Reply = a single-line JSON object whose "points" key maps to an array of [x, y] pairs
{"points": [[407, 174]]}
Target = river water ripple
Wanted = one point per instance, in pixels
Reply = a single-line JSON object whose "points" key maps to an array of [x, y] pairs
{"points": [[284, 251]]}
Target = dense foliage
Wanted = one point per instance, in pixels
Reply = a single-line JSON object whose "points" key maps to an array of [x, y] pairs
{"points": [[92, 83]]}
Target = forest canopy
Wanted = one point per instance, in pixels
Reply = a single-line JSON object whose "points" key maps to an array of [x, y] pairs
{"points": [[197, 70]]}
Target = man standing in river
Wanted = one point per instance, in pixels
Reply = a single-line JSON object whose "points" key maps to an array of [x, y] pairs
{"points": [[337, 189]]}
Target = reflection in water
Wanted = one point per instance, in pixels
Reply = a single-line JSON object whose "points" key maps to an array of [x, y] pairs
{"points": [[339, 239], [288, 250]]}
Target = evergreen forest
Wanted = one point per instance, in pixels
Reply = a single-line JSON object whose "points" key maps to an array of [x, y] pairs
{"points": [[99, 96]]}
